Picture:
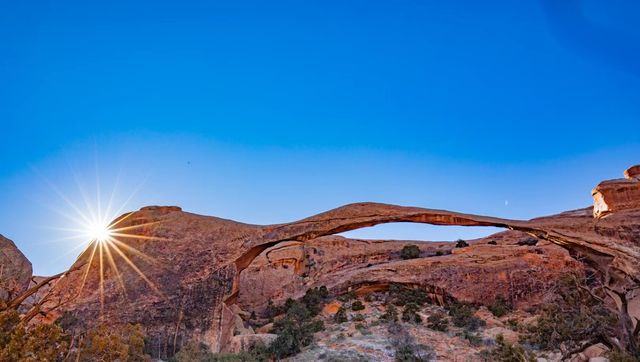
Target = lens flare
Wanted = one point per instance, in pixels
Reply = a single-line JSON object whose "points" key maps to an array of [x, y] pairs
{"points": [[108, 238]]}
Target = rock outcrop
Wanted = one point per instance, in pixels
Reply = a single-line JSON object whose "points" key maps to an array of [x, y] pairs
{"points": [[620, 194], [15, 270], [179, 274]]}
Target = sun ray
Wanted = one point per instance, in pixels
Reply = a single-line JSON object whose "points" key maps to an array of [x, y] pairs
{"points": [[86, 272], [100, 244], [137, 252], [132, 227], [136, 269], [115, 268]]}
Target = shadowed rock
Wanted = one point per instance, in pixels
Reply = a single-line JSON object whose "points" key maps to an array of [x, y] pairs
{"points": [[200, 266]]}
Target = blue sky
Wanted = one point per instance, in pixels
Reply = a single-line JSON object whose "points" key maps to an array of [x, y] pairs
{"points": [[271, 111]]}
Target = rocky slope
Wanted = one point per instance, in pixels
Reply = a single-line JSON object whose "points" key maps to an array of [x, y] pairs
{"points": [[15, 270], [184, 276]]}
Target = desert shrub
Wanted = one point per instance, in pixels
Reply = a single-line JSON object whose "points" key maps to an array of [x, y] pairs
{"points": [[500, 307], [461, 243], [438, 322], [199, 352], [401, 295], [474, 338], [113, 343], [507, 352], [314, 298], [572, 316], [358, 318], [347, 296], [492, 242], [406, 350], [341, 315], [42, 343], [295, 330], [357, 305], [617, 356], [528, 242], [410, 313], [462, 315], [410, 252], [390, 314], [439, 253], [513, 324]]}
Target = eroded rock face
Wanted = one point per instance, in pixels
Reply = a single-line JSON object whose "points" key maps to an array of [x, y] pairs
{"points": [[477, 274], [15, 270], [620, 194], [183, 272]]}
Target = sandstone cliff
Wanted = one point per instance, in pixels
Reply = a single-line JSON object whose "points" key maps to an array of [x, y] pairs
{"points": [[15, 270], [183, 276]]}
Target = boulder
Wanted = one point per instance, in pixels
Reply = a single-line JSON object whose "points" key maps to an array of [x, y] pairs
{"points": [[15, 270]]}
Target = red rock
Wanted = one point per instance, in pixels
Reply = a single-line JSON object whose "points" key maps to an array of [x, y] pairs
{"points": [[15, 270], [201, 266]]}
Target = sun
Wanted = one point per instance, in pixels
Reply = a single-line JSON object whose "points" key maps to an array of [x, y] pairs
{"points": [[101, 232]]}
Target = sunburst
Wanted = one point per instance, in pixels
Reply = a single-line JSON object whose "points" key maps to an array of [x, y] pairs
{"points": [[105, 238]]}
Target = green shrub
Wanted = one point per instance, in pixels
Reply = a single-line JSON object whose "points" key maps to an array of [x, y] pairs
{"points": [[401, 295], [492, 242], [113, 343], [474, 338], [439, 253], [410, 252], [314, 298], [295, 330], [357, 305], [406, 350], [462, 315], [410, 313], [617, 356], [347, 296], [358, 318], [500, 307], [461, 243], [341, 315], [573, 316], [390, 314], [438, 322], [507, 352]]}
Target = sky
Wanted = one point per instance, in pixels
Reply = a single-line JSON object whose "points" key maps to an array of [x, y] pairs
{"points": [[268, 112]]}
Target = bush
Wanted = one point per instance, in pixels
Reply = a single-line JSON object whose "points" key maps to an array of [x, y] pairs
{"points": [[406, 350], [617, 356], [461, 243], [357, 305], [314, 298], [390, 314], [462, 315], [506, 352], [438, 322], [401, 295], [113, 343], [410, 252], [347, 296], [341, 315], [572, 316], [492, 242], [410, 313], [294, 331], [358, 318], [474, 338], [500, 307]]}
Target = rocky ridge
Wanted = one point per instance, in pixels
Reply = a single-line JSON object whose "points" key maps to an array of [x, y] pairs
{"points": [[187, 276]]}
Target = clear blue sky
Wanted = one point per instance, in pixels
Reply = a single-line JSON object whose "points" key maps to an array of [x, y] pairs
{"points": [[271, 111]]}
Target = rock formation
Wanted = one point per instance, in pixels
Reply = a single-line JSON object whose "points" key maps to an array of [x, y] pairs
{"points": [[182, 276], [620, 194], [15, 270]]}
